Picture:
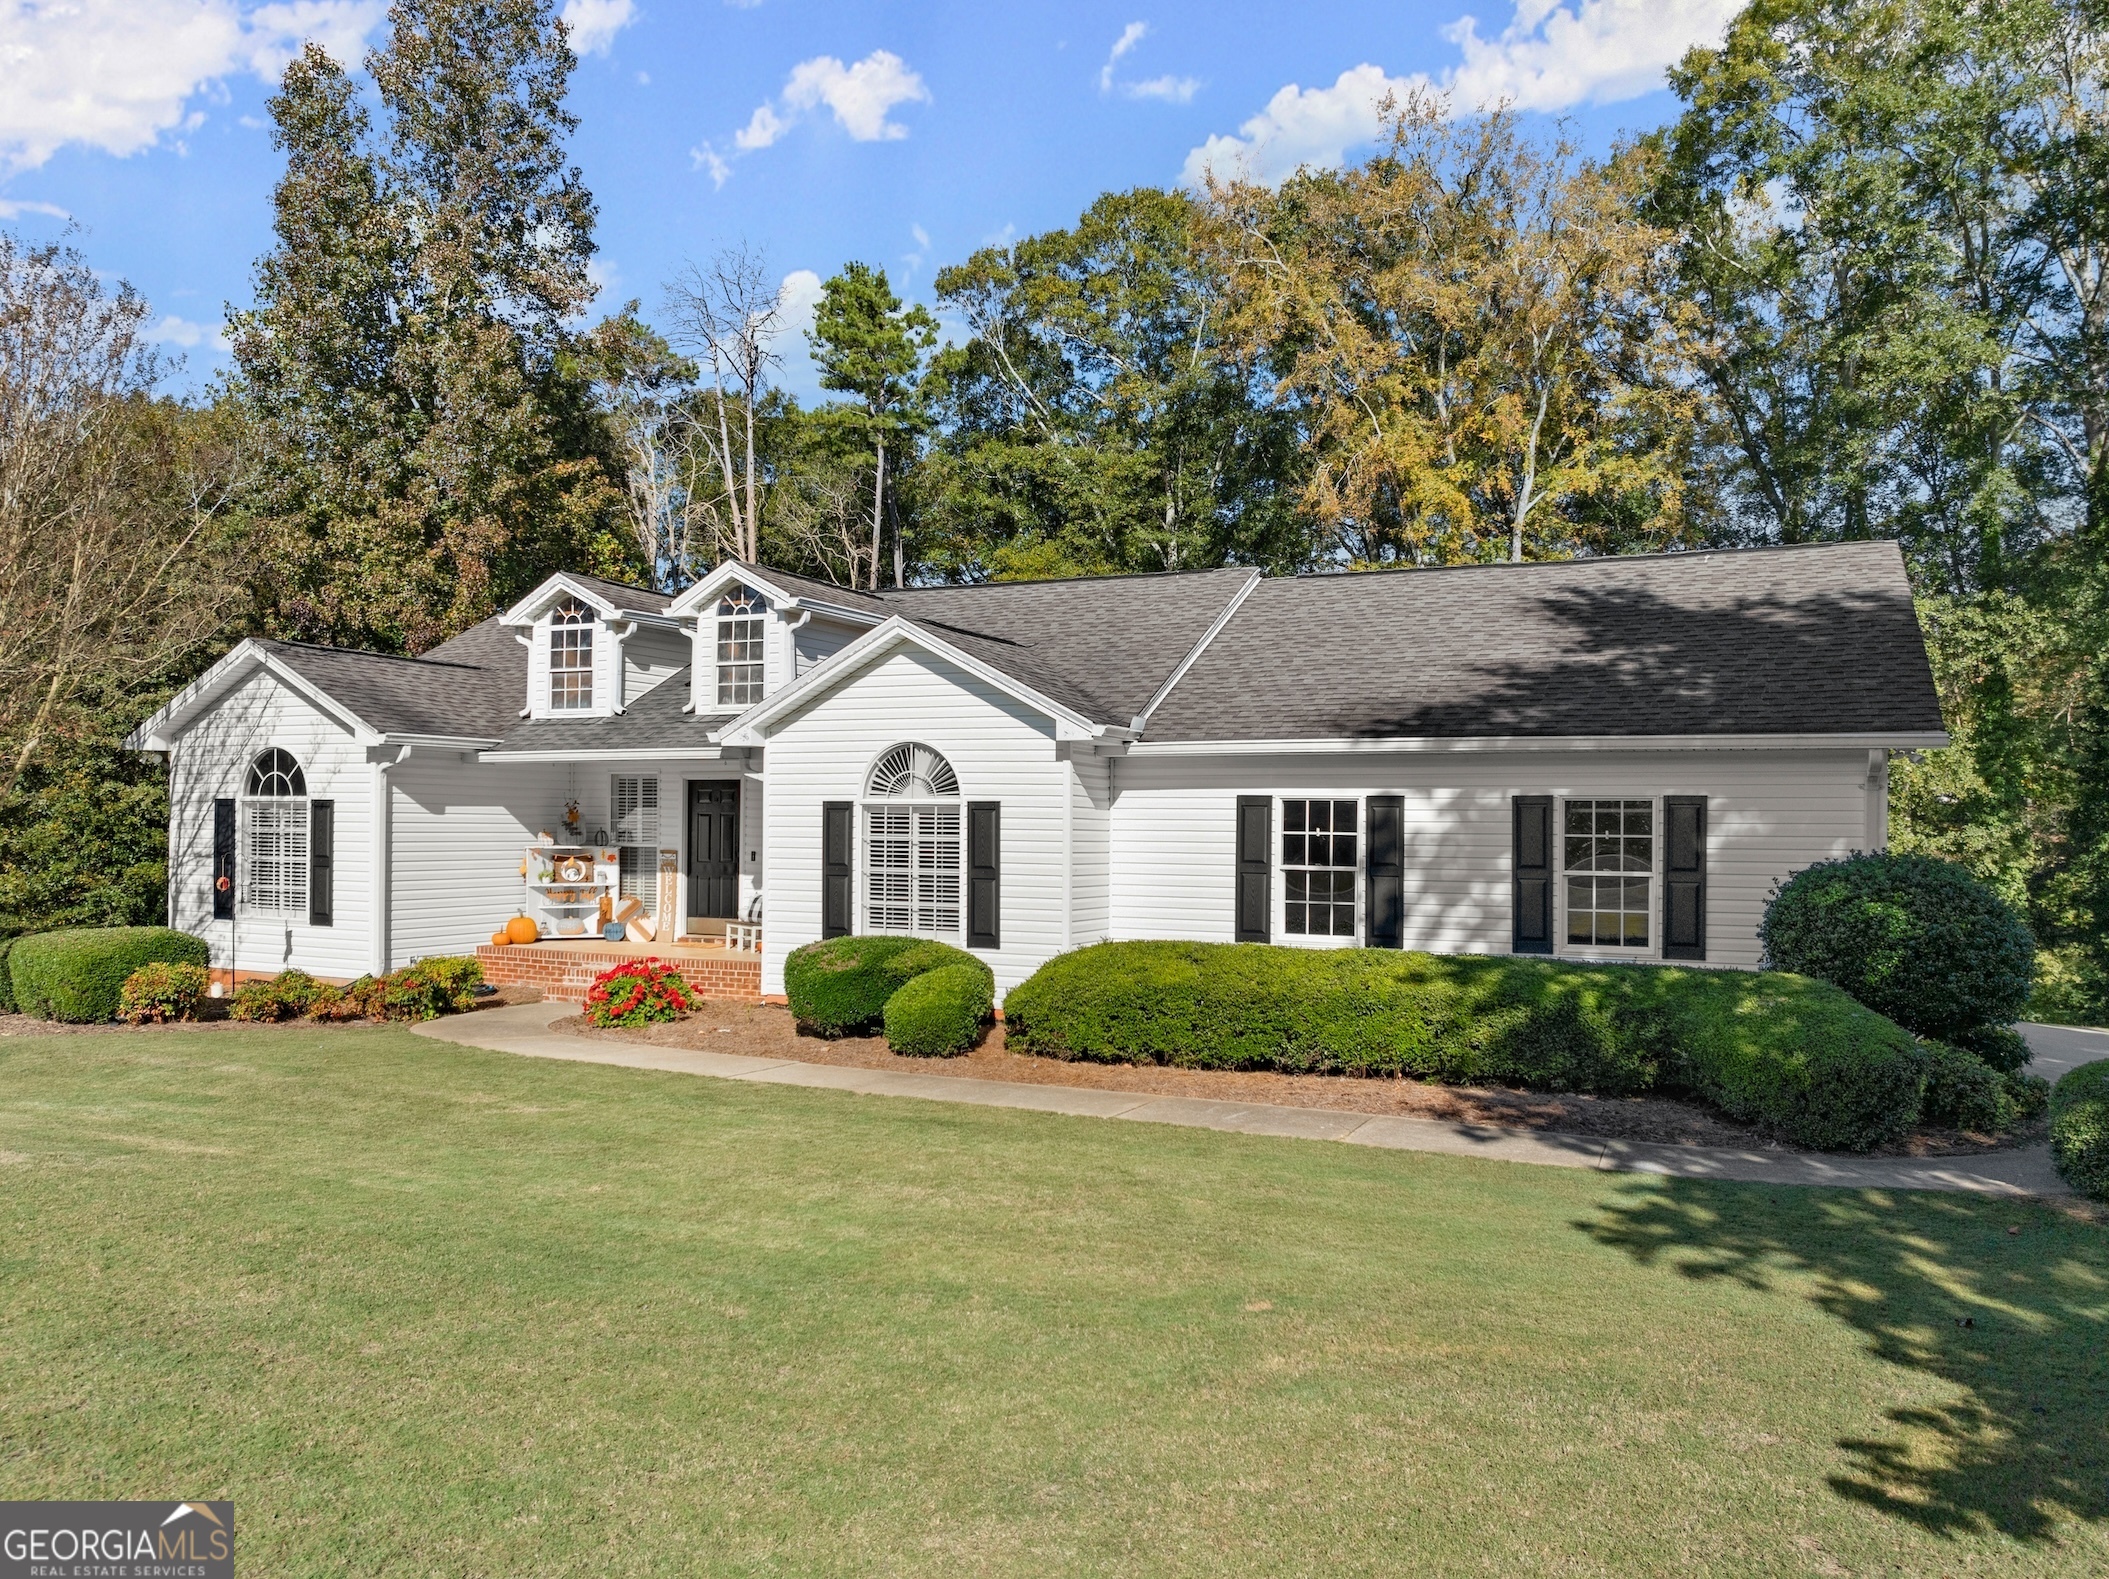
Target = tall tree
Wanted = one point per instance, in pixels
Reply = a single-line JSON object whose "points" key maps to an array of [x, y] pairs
{"points": [[1477, 333], [868, 345], [1096, 420], [729, 313], [431, 439]]}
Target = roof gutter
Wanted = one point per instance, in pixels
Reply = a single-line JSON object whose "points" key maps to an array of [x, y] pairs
{"points": [[1925, 740]]}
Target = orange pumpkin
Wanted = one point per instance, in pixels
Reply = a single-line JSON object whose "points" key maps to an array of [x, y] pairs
{"points": [[501, 937], [522, 929]]}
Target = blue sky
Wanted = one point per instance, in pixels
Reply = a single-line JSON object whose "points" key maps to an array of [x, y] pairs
{"points": [[904, 135]]}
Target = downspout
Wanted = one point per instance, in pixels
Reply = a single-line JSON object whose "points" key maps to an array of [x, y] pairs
{"points": [[382, 806]]}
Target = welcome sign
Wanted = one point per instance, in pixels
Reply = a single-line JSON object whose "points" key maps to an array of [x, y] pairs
{"points": [[116, 1540]]}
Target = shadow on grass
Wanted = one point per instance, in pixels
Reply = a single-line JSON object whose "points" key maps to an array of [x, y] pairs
{"points": [[1937, 1284]]}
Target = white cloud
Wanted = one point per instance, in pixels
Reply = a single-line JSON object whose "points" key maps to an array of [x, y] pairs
{"points": [[1549, 57], [1173, 90], [705, 157], [860, 95], [118, 74], [594, 23], [1130, 36], [860, 98], [15, 208], [172, 330], [800, 297]]}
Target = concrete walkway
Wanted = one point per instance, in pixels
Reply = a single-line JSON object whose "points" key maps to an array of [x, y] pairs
{"points": [[524, 1029]]}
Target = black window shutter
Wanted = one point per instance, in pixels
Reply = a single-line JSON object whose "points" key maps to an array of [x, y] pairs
{"points": [[222, 860], [1533, 868], [835, 843], [984, 874], [1387, 871], [1255, 889], [1684, 877], [322, 861]]}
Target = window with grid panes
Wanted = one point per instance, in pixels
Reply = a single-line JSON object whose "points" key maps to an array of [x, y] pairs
{"points": [[739, 648], [275, 809], [571, 659], [1609, 855], [912, 853], [1318, 868]]}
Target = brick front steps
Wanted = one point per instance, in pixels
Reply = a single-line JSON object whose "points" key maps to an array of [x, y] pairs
{"points": [[566, 970]]}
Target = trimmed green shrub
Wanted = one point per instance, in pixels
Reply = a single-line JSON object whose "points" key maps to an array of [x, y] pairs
{"points": [[287, 996], [359, 1001], [839, 987], [7, 987], [2000, 1046], [2029, 1095], [1793, 1056], [1963, 1092], [459, 974], [1918, 939], [941, 1012], [78, 975], [413, 993], [2079, 1128], [157, 993]]}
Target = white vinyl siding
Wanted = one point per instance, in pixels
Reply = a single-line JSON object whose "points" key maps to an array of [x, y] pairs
{"points": [[650, 657], [1769, 815], [211, 761]]}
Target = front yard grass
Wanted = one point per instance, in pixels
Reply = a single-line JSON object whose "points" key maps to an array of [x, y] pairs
{"points": [[420, 1309]]}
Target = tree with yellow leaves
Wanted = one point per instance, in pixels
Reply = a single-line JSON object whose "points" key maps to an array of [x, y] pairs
{"points": [[1481, 337]]}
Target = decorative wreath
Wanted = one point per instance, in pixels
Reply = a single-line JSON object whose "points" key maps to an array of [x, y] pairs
{"points": [[573, 870]]}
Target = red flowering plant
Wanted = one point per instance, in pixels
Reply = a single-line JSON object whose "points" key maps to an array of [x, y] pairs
{"points": [[638, 992]]}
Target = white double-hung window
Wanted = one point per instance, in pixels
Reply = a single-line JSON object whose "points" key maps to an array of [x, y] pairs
{"points": [[912, 848], [740, 622], [1608, 851], [1318, 867], [571, 659], [275, 811]]}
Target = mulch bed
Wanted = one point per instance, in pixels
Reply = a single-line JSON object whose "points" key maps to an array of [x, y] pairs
{"points": [[768, 1031]]}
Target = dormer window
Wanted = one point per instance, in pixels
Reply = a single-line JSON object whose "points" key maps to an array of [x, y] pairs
{"points": [[571, 658], [739, 648]]}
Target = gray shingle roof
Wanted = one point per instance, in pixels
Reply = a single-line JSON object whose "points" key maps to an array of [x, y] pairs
{"points": [[1809, 640], [642, 600], [1100, 644], [819, 591], [654, 722], [471, 687]]}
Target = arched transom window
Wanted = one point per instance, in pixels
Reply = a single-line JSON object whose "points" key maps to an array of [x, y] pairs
{"points": [[275, 809], [912, 846], [571, 658], [740, 620]]}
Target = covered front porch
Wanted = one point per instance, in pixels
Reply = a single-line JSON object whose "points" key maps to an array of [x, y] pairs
{"points": [[565, 968]]}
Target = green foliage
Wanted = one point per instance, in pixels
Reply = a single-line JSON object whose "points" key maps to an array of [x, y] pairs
{"points": [[414, 993], [290, 995], [941, 1012], [459, 975], [1999, 1047], [1792, 1056], [157, 993], [2079, 1128], [361, 1000], [839, 987], [78, 974], [1917, 939], [1963, 1092], [638, 992], [7, 985]]}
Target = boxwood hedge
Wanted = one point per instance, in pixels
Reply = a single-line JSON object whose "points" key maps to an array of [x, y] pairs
{"points": [[1792, 1056], [2079, 1128], [941, 1012], [839, 987], [79, 974]]}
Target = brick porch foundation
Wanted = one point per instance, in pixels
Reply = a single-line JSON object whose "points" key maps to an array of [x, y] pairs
{"points": [[566, 970]]}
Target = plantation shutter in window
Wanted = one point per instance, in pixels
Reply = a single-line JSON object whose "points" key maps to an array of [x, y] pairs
{"points": [[1684, 877], [1255, 894], [222, 860], [322, 861], [835, 828], [1386, 924], [984, 873], [1533, 871]]}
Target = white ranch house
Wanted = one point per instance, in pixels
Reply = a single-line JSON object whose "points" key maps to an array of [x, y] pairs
{"points": [[1604, 759]]}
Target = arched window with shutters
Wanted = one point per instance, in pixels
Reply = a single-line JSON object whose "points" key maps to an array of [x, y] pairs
{"points": [[275, 868], [912, 846]]}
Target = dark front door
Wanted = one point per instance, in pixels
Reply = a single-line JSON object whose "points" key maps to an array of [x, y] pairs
{"points": [[714, 849]]}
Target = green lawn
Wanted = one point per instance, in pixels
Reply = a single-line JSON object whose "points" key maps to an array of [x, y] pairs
{"points": [[423, 1310]]}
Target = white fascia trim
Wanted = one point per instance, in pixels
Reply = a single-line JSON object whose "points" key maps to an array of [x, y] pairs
{"points": [[440, 742], [747, 729], [1237, 600], [641, 754], [529, 609], [690, 606], [160, 732], [1324, 747]]}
